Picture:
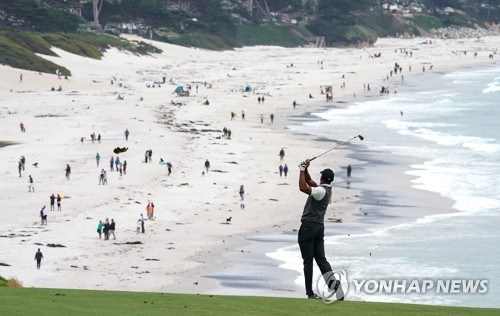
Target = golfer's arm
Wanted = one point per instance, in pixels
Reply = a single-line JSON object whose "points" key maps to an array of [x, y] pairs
{"points": [[303, 184], [309, 181]]}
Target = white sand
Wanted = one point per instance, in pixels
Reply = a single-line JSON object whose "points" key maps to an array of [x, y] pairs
{"points": [[190, 232]]}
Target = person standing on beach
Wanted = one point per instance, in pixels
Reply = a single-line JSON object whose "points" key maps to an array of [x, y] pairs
{"points": [[349, 170], [105, 229], [207, 166], [281, 170], [112, 228], [117, 163], [52, 201], [20, 168], [21, 78], [272, 118], [126, 134], [285, 170], [242, 192], [294, 104], [99, 229], [112, 163], [261, 118], [282, 154], [38, 258], [58, 202], [312, 229], [124, 167], [68, 171], [97, 159], [142, 219], [31, 185], [149, 210], [242, 115]]}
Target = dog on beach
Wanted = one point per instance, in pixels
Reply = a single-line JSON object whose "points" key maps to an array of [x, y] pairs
{"points": [[119, 150]]}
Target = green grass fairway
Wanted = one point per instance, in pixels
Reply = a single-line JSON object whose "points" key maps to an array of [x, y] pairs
{"points": [[53, 302]]}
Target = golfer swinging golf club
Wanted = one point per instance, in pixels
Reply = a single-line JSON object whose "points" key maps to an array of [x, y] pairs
{"points": [[312, 229]]}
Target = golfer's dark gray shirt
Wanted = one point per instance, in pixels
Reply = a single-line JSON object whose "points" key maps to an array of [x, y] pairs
{"points": [[314, 211]]}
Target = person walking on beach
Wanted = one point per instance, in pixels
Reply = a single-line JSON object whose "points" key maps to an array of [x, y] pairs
{"points": [[97, 159], [349, 170], [43, 216], [105, 181], [242, 192], [282, 154], [126, 134], [294, 104], [272, 118], [59, 202], [68, 171], [207, 165], [31, 186], [111, 163], [281, 170], [99, 229], [52, 201], [101, 177], [38, 258], [285, 170], [312, 229]]}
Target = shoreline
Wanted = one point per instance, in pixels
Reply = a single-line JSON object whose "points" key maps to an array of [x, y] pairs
{"points": [[373, 210], [176, 134]]}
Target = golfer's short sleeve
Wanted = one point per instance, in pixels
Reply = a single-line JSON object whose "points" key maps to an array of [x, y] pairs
{"points": [[318, 193]]}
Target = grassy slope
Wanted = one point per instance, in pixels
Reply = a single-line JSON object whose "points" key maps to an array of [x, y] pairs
{"points": [[17, 49], [25, 301]]}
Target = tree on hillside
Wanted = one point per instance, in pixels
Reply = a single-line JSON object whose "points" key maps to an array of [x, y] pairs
{"points": [[96, 10]]}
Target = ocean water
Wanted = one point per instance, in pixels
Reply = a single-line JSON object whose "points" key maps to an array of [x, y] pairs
{"points": [[450, 126]]}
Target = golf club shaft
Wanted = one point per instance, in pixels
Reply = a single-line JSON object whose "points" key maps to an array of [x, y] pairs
{"points": [[334, 148]]}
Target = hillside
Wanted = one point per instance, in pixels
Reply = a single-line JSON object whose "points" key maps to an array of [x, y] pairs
{"points": [[222, 24]]}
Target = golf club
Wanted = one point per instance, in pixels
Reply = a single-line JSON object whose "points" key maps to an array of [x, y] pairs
{"points": [[359, 136]]}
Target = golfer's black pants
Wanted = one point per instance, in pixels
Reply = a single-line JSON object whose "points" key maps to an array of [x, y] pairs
{"points": [[312, 247]]}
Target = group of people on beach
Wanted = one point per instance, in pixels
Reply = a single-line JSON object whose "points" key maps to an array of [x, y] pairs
{"points": [[106, 229], [118, 165], [282, 169], [148, 156]]}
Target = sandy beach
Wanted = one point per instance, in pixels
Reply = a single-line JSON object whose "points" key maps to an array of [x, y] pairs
{"points": [[190, 232]]}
